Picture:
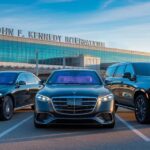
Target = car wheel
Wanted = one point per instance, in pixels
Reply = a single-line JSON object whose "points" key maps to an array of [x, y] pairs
{"points": [[142, 109], [6, 110]]}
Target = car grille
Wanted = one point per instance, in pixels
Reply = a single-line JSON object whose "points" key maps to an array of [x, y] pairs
{"points": [[74, 105]]}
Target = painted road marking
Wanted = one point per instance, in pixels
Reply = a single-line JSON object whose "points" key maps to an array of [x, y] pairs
{"points": [[137, 132], [40, 136], [14, 127]]}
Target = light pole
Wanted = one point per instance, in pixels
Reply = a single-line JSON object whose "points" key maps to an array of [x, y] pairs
{"points": [[64, 60], [37, 62]]}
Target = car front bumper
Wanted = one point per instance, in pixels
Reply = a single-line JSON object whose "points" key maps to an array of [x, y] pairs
{"points": [[102, 114]]}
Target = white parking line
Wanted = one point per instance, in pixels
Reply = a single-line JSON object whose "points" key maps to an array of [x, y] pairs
{"points": [[40, 136], [14, 127], [137, 132]]}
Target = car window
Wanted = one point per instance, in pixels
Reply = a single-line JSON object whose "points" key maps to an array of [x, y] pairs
{"points": [[142, 69], [130, 69], [120, 71], [110, 71], [8, 78], [31, 79], [75, 77], [22, 77]]}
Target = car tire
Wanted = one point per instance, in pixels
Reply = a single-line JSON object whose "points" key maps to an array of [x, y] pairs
{"points": [[6, 109], [142, 109]]}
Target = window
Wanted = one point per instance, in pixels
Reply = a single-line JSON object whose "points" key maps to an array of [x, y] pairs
{"points": [[120, 71], [31, 79], [142, 69], [110, 71], [129, 68], [22, 77], [75, 77], [7, 78]]}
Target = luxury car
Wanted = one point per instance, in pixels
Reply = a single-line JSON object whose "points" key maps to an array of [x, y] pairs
{"points": [[130, 84], [17, 90], [74, 97]]}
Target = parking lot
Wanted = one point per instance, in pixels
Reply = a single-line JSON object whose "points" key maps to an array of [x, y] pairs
{"points": [[20, 133]]}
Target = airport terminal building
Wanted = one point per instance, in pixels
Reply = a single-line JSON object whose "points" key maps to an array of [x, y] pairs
{"points": [[53, 50]]}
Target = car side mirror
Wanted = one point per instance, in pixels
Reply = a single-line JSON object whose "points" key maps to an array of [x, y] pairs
{"points": [[42, 82], [107, 82], [127, 75], [21, 83]]}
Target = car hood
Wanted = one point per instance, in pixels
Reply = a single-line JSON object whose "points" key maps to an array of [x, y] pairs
{"points": [[74, 90], [5, 88]]}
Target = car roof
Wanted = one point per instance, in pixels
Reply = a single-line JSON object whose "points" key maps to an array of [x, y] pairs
{"points": [[11, 71], [125, 63], [75, 70]]}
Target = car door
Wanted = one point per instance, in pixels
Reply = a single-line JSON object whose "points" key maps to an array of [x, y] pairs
{"points": [[129, 86], [109, 76], [116, 84], [33, 85], [21, 92]]}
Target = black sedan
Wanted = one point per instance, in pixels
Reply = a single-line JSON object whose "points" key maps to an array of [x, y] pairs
{"points": [[74, 97], [17, 90]]}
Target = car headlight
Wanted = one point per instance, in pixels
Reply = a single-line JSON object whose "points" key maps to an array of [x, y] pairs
{"points": [[43, 98], [106, 98], [1, 94]]}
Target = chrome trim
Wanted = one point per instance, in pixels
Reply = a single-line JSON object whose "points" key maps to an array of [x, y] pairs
{"points": [[17, 108], [128, 107], [73, 97]]}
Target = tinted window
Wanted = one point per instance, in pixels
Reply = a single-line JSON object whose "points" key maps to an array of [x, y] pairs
{"points": [[110, 71], [74, 77], [22, 77], [142, 69], [130, 69], [120, 71], [31, 79], [8, 78]]}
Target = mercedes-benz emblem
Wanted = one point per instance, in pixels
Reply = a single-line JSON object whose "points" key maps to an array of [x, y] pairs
{"points": [[74, 92]]}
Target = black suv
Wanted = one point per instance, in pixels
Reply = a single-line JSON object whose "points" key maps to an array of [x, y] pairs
{"points": [[130, 84], [74, 97], [17, 90]]}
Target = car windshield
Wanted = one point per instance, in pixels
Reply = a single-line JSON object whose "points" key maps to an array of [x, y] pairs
{"points": [[8, 78], [75, 77], [142, 69]]}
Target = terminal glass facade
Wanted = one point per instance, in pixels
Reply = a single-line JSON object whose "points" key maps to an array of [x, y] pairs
{"points": [[23, 52]]}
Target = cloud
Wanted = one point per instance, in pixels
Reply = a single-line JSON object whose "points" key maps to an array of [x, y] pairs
{"points": [[55, 1], [107, 3], [131, 35], [117, 14]]}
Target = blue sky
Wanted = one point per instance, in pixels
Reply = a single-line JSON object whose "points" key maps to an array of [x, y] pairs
{"points": [[119, 23]]}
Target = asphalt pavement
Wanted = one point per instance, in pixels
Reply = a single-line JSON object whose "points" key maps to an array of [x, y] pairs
{"points": [[20, 134]]}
